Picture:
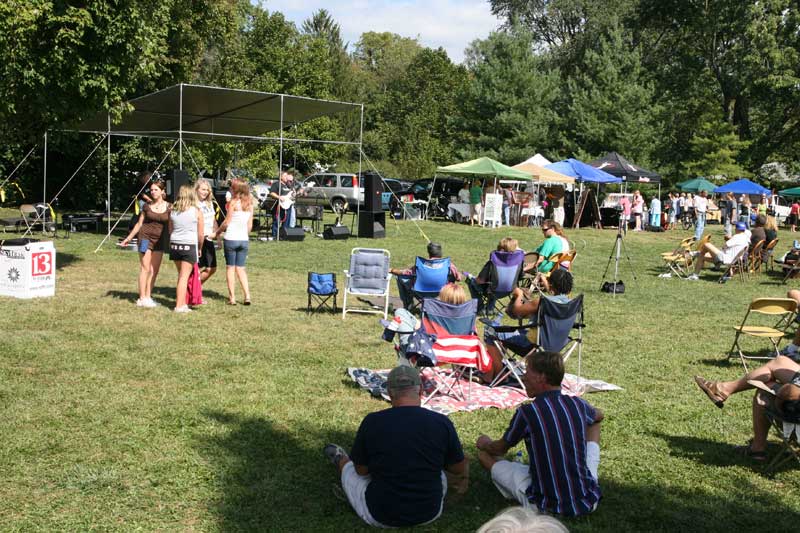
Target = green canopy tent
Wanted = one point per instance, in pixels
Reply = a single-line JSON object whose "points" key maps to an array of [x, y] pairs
{"points": [[794, 191], [696, 185], [483, 166]]}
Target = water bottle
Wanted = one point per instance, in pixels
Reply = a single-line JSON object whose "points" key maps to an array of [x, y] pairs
{"points": [[518, 457]]}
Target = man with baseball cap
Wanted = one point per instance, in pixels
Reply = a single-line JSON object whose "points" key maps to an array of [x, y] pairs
{"points": [[733, 247], [397, 472]]}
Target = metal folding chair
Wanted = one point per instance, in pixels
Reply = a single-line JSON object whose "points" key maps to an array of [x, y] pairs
{"points": [[768, 308], [368, 276]]}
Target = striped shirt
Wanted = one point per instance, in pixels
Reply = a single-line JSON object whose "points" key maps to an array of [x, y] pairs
{"points": [[554, 428]]}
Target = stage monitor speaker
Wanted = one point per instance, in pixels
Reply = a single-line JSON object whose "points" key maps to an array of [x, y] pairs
{"points": [[373, 189], [292, 234], [334, 232], [372, 225], [175, 179]]}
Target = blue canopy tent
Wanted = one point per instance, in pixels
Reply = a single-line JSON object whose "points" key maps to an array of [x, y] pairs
{"points": [[585, 174], [743, 186]]}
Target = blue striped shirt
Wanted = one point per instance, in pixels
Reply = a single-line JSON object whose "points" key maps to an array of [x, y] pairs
{"points": [[554, 428]]}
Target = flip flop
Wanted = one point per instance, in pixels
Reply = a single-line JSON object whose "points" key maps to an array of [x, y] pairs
{"points": [[745, 450], [710, 388], [230, 303]]}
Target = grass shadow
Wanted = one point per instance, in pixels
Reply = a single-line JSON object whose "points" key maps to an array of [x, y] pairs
{"points": [[64, 259]]}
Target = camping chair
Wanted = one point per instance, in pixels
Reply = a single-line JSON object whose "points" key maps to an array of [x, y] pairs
{"points": [[502, 273], [786, 423], [755, 257], [429, 277], [678, 261], [321, 289], [782, 308], [39, 215], [554, 323], [457, 344], [768, 254], [368, 276]]}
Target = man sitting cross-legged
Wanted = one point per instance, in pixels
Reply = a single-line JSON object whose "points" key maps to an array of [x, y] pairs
{"points": [[395, 474], [732, 248], [562, 435], [782, 375]]}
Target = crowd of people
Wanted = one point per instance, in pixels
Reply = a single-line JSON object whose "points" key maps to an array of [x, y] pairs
{"points": [[187, 229]]}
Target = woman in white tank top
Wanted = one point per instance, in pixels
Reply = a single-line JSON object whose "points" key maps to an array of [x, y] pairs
{"points": [[186, 237], [208, 252], [237, 226]]}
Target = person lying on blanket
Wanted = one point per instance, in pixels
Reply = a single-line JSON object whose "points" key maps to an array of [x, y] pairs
{"points": [[782, 376], [559, 285], [403, 459], [562, 437]]}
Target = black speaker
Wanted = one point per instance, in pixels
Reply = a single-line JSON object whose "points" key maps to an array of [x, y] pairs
{"points": [[372, 193], [333, 232], [175, 179], [292, 234], [372, 225]]}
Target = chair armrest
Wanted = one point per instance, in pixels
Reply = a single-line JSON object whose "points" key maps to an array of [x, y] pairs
{"points": [[346, 273]]}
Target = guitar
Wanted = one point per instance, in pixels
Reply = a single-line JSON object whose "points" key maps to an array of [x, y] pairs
{"points": [[287, 201]]}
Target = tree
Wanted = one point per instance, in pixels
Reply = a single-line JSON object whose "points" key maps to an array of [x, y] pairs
{"points": [[507, 111], [714, 149]]}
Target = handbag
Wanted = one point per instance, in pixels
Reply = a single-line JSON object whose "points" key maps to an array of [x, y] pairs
{"points": [[611, 287], [194, 291]]}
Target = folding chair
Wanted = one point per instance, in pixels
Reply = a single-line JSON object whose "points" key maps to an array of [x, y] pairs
{"points": [[39, 215], [368, 276], [768, 254], [321, 289], [678, 261], [457, 344], [429, 278], [782, 308], [786, 424], [501, 273], [755, 257], [554, 324], [737, 265]]}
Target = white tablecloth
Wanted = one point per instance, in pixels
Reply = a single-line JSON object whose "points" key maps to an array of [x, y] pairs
{"points": [[535, 211], [461, 209]]}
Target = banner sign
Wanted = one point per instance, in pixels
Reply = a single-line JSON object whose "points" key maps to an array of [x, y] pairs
{"points": [[28, 271], [493, 210]]}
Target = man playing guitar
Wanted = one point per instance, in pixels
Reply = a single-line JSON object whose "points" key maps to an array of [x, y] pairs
{"points": [[282, 192]]}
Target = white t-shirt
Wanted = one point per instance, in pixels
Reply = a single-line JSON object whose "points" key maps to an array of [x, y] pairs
{"points": [[700, 204], [735, 244], [463, 196]]}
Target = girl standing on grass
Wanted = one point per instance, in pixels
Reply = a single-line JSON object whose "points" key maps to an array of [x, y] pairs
{"points": [[208, 253], [186, 237], [237, 226], [151, 231]]}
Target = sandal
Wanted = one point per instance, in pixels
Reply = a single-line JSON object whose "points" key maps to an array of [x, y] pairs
{"points": [[756, 455], [230, 302], [712, 391], [247, 302]]}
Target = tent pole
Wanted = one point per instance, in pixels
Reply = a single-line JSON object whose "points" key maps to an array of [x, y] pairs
{"points": [[280, 170], [44, 175], [359, 178], [108, 172], [180, 131]]}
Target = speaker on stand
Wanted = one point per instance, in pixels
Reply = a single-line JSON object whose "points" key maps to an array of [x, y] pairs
{"points": [[372, 218], [175, 179]]}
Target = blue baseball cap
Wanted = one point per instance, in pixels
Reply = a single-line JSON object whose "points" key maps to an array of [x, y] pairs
{"points": [[741, 226]]}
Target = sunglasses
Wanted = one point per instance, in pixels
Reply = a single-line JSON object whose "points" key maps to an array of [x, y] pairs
{"points": [[546, 229]]}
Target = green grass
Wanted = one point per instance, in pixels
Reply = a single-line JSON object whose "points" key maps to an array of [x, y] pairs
{"points": [[119, 418]]}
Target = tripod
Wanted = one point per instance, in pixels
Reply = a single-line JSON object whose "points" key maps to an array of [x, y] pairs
{"points": [[619, 246]]}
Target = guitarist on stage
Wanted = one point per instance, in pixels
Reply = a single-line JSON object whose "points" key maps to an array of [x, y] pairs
{"points": [[283, 194]]}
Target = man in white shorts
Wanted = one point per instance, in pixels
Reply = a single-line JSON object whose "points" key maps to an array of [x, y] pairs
{"points": [[397, 472], [733, 247]]}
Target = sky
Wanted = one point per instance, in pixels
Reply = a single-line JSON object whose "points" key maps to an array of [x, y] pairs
{"points": [[450, 24]]}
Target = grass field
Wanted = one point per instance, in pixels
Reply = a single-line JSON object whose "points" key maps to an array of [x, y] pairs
{"points": [[120, 418]]}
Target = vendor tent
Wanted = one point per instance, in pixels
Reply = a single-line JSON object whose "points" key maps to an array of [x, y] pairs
{"points": [[696, 185], [484, 166], [538, 159], [794, 191], [583, 172], [542, 174], [616, 165], [743, 186]]}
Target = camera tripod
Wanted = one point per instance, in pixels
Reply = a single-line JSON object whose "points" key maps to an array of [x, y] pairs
{"points": [[616, 251]]}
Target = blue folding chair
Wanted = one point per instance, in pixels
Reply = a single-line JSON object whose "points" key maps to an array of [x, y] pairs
{"points": [[429, 278], [500, 277], [321, 289]]}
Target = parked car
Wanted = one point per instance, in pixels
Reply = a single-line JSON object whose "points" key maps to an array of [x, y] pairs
{"points": [[392, 187], [781, 209], [333, 190], [446, 188]]}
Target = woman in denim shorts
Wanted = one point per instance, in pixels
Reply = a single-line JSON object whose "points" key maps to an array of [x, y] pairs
{"points": [[237, 227]]}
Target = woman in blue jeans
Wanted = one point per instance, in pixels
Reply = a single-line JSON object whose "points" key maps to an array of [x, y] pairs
{"points": [[237, 226]]}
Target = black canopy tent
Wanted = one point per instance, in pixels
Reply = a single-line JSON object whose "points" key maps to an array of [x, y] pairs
{"points": [[197, 112], [618, 166]]}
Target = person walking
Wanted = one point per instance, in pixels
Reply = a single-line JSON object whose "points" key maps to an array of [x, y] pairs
{"points": [[152, 234], [185, 239], [237, 227], [700, 210]]}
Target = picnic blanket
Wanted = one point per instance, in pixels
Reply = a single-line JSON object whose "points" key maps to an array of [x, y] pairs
{"points": [[480, 396]]}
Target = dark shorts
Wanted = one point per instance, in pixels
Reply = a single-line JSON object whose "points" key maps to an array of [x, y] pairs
{"points": [[208, 255], [183, 252], [236, 253]]}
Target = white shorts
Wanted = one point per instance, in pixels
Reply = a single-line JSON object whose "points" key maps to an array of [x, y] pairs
{"points": [[355, 487], [513, 479]]}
